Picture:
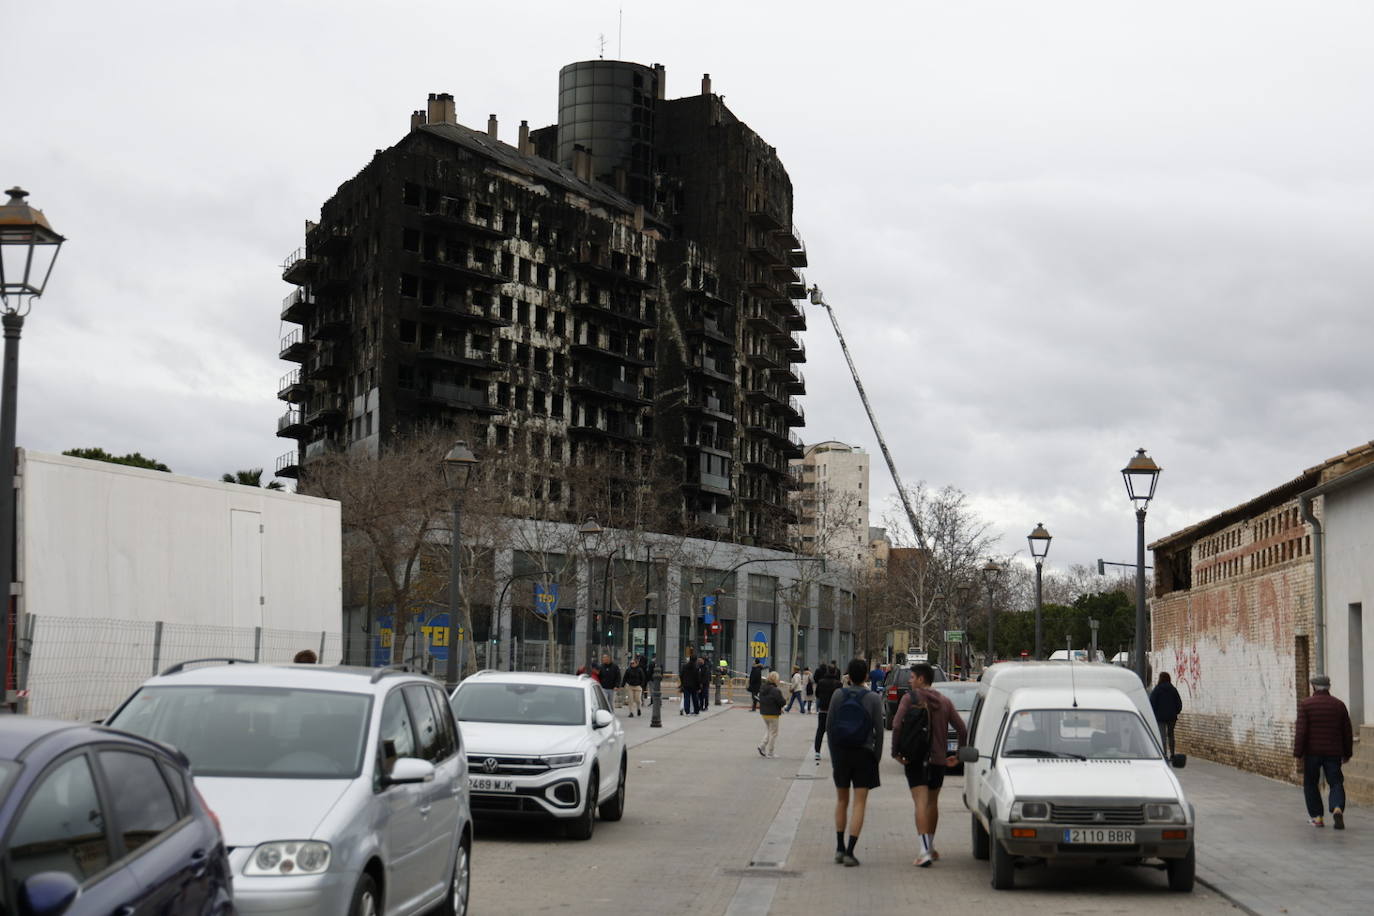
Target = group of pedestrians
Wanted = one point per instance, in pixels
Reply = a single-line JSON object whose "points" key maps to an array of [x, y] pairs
{"points": [[633, 681], [850, 718], [695, 683]]}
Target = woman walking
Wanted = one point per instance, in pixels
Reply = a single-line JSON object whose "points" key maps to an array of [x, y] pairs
{"points": [[770, 708]]}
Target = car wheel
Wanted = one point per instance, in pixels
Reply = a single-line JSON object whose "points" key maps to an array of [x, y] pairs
{"points": [[456, 903], [980, 839], [582, 827], [1003, 871], [366, 900], [1181, 872], [614, 809]]}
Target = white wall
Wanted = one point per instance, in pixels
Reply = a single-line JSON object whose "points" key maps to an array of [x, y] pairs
{"points": [[100, 540], [1348, 515]]}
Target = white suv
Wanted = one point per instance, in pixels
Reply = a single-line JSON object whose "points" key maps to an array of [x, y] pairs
{"points": [[339, 790], [543, 746]]}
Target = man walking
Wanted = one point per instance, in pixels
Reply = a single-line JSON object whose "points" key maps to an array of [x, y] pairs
{"points": [[855, 732], [1167, 704], [610, 679], [795, 686], [703, 684], [1323, 741], [919, 731], [755, 683], [827, 682], [634, 687], [687, 675], [770, 708], [875, 678]]}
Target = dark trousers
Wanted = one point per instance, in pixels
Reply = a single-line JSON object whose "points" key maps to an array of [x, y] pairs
{"points": [[704, 696], [1166, 732], [689, 700], [820, 728], [754, 696], [1312, 769]]}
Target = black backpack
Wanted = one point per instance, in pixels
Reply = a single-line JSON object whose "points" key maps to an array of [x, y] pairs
{"points": [[851, 724], [913, 742]]}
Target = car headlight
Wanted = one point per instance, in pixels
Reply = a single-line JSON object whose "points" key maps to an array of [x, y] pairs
{"points": [[288, 857], [1165, 812], [564, 760], [1030, 811]]}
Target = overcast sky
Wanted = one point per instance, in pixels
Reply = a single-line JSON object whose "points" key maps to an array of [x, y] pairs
{"points": [[1054, 231]]}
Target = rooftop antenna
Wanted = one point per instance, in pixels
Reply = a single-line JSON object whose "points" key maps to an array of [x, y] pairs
{"points": [[1073, 685], [601, 40], [620, 36]]}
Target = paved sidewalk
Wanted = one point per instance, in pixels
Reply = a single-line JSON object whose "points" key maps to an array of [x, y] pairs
{"points": [[1255, 846]]}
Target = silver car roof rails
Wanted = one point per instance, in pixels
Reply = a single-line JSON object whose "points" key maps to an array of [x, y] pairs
{"points": [[181, 666], [388, 670]]}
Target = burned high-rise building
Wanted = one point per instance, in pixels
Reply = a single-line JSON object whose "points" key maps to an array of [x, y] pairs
{"points": [[621, 284]]}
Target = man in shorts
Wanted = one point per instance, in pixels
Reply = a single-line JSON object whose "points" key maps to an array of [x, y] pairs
{"points": [[854, 730], [926, 777]]}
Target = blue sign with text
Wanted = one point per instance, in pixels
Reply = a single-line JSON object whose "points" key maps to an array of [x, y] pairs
{"points": [[545, 598], [708, 608]]}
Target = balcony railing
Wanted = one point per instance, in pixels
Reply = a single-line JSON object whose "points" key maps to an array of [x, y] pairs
{"points": [[288, 465], [707, 440], [294, 347], [295, 307]]}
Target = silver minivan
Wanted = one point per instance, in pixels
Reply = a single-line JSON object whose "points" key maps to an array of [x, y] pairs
{"points": [[339, 790]]}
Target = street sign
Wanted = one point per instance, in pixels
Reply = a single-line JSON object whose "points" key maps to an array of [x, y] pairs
{"points": [[708, 608], [545, 598], [954, 635], [707, 647], [758, 646]]}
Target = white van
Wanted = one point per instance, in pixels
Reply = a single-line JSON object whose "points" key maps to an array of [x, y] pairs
{"points": [[1079, 655], [1065, 763]]}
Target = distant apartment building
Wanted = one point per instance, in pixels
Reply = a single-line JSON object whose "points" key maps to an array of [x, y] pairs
{"points": [[619, 288], [833, 503], [879, 549]]}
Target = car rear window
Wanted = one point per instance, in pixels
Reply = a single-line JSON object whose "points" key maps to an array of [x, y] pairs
{"points": [[255, 732], [529, 704]]}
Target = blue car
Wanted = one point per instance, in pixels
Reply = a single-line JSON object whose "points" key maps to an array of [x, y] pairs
{"points": [[98, 821]]}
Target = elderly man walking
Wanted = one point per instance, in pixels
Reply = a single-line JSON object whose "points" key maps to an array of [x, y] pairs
{"points": [[1323, 741]]}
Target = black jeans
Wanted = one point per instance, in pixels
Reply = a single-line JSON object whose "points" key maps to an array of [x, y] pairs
{"points": [[1312, 768], [1166, 731], [820, 728]]}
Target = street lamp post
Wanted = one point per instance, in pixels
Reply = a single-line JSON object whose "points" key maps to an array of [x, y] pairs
{"points": [[590, 531], [991, 570], [1141, 475], [28, 250], [656, 719], [457, 465], [964, 591], [1039, 541]]}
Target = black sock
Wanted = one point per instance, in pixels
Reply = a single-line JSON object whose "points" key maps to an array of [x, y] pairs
{"points": [[839, 841], [852, 842]]}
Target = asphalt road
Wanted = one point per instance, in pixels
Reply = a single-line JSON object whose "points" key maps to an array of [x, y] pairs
{"points": [[712, 828]]}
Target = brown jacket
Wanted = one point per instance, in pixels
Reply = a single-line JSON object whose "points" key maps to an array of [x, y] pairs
{"points": [[1323, 728], [942, 716]]}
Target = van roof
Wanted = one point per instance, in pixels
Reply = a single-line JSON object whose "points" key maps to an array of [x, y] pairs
{"points": [[1065, 698], [1009, 676]]}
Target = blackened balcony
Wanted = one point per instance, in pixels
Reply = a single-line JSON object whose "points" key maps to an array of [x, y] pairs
{"points": [[297, 305], [449, 394], [452, 213], [711, 483], [468, 268], [764, 317], [794, 316], [328, 240], [298, 268], [713, 367], [714, 520], [796, 350], [762, 284], [288, 465], [292, 387], [714, 407], [609, 267], [593, 347], [321, 447], [294, 347], [710, 327], [328, 324], [793, 447], [796, 287], [456, 353], [628, 313], [603, 384], [291, 425], [766, 357], [764, 217], [795, 415], [326, 363], [797, 256], [461, 310], [614, 426], [708, 441], [761, 457], [793, 382], [327, 411], [766, 251]]}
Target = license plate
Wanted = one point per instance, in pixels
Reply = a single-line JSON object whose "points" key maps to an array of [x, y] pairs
{"points": [[953, 746], [490, 784], [1099, 837]]}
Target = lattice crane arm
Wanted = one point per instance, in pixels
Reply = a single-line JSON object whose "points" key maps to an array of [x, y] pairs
{"points": [[818, 299]]}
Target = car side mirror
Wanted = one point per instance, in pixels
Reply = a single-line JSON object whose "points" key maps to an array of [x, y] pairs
{"points": [[968, 754], [602, 717], [1179, 761], [408, 771], [48, 893]]}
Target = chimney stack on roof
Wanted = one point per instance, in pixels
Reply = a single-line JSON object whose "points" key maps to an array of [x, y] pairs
{"points": [[417, 119], [491, 126], [441, 110], [706, 84], [582, 163], [661, 82], [525, 138]]}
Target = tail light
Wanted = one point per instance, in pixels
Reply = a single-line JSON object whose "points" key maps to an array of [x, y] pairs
{"points": [[208, 810], [892, 693]]}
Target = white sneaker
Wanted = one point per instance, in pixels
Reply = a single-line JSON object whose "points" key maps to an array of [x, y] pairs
{"points": [[924, 860]]}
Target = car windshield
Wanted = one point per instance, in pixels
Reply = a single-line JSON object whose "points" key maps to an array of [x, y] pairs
{"points": [[255, 732], [961, 695], [527, 704], [1080, 734]]}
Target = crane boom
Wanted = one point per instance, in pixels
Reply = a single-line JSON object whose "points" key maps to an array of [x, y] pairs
{"points": [[818, 299]]}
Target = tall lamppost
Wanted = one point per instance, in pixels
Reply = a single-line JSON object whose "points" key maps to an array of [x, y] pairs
{"points": [[656, 719], [991, 570], [964, 590], [1039, 541], [696, 582], [28, 249], [590, 531], [457, 465], [1141, 475]]}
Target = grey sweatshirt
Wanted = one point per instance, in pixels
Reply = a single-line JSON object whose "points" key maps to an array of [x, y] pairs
{"points": [[873, 704]]}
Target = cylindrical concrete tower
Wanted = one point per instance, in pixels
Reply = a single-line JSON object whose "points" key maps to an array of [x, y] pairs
{"points": [[607, 107]]}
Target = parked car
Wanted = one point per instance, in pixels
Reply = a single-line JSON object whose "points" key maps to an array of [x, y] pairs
{"points": [[542, 746], [341, 790], [961, 694], [895, 686], [1111, 795], [97, 821]]}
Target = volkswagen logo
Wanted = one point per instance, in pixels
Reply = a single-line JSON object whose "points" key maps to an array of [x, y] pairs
{"points": [[490, 765], [1098, 818]]}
